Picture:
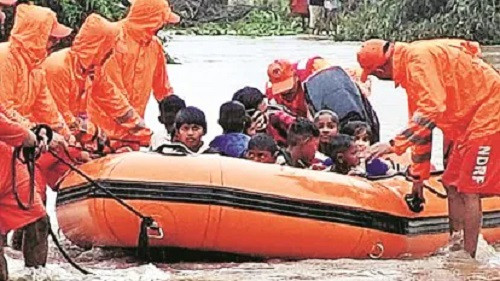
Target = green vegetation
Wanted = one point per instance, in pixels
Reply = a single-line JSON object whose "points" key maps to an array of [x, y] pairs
{"points": [[258, 22], [408, 20]]}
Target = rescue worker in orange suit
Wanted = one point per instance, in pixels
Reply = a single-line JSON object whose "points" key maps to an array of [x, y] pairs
{"points": [[122, 88], [27, 100], [285, 85], [24, 91], [451, 88], [34, 221], [69, 72]]}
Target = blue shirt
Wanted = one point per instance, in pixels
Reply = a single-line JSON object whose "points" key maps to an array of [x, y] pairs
{"points": [[232, 144]]}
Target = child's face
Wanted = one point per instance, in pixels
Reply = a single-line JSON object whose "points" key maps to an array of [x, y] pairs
{"points": [[262, 156], [362, 141], [252, 129], [306, 151], [263, 106], [351, 156], [190, 135], [327, 128]]}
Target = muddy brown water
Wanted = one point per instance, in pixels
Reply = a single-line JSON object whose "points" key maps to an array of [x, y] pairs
{"points": [[212, 69]]}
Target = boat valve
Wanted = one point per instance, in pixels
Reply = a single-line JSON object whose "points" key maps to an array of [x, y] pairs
{"points": [[155, 231], [377, 251]]}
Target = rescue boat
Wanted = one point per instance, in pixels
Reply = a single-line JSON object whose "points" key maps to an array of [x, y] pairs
{"points": [[215, 203]]}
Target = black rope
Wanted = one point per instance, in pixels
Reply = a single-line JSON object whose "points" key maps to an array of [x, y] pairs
{"points": [[65, 255], [29, 160], [146, 221]]}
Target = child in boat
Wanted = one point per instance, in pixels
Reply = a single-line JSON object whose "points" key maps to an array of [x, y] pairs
{"points": [[262, 148], [362, 134], [169, 107], [344, 153], [327, 123], [255, 104], [232, 119], [190, 127], [302, 144]]}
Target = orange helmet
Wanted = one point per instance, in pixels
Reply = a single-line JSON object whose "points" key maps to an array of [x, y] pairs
{"points": [[371, 56], [281, 75]]}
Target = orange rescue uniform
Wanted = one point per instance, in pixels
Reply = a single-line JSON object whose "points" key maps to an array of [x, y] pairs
{"points": [[24, 89], [11, 216], [451, 88], [68, 70], [120, 91]]}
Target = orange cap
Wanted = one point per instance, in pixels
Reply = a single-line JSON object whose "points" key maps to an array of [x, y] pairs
{"points": [[281, 75], [371, 56], [170, 16], [8, 2], [59, 30]]}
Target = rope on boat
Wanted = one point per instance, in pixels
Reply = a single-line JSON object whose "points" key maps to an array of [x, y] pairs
{"points": [[29, 158], [64, 254], [146, 221]]}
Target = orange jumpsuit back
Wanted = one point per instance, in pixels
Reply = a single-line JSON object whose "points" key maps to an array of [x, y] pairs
{"points": [[122, 88], [451, 88], [22, 80], [67, 71]]}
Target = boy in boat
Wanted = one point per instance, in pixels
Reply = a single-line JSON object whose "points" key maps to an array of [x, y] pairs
{"points": [[190, 127], [450, 87], [232, 119], [255, 103], [344, 154], [262, 148], [264, 118], [302, 144], [169, 107]]}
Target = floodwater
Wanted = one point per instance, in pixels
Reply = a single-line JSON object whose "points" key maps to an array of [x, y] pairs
{"points": [[211, 70]]}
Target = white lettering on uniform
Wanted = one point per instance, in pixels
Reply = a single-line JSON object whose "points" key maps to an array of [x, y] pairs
{"points": [[483, 156]]}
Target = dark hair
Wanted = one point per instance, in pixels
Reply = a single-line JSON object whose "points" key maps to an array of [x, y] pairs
{"points": [[339, 144], [191, 115], [232, 117], [335, 117], [263, 142], [250, 97], [300, 129], [353, 128], [172, 103]]}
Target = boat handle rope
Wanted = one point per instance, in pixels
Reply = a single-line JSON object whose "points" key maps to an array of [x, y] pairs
{"points": [[406, 177], [29, 157], [147, 222]]}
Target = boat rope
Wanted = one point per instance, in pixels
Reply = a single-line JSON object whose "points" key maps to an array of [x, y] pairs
{"points": [[64, 254], [406, 177], [29, 156], [146, 221]]}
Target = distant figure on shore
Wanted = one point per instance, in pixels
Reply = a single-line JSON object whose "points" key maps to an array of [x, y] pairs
{"points": [[317, 15], [300, 8], [332, 9]]}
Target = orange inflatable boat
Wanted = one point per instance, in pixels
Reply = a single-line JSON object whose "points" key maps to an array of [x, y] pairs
{"points": [[214, 203]]}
